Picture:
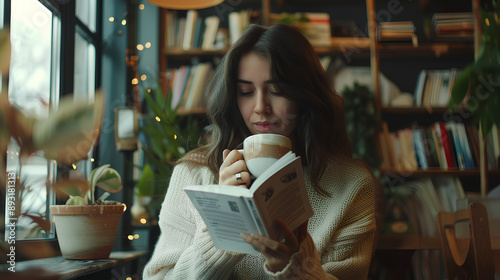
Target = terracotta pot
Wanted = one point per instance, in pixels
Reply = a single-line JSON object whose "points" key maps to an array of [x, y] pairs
{"points": [[88, 231]]}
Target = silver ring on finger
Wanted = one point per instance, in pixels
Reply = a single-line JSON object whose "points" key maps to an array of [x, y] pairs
{"points": [[239, 179]]}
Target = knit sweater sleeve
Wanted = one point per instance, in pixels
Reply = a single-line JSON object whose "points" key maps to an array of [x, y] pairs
{"points": [[185, 249], [347, 244]]}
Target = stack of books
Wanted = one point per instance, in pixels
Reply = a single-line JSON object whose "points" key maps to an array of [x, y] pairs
{"points": [[453, 26], [316, 27], [194, 32], [397, 31]]}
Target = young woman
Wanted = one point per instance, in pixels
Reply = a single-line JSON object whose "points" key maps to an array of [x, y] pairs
{"points": [[271, 81]]}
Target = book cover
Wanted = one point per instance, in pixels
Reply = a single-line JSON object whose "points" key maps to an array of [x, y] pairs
{"points": [[458, 147], [464, 142], [389, 143], [451, 141], [418, 139], [431, 152], [230, 210], [445, 143], [419, 89], [211, 26], [191, 17]]}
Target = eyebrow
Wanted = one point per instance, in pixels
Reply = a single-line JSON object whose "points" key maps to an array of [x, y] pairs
{"points": [[251, 83]]}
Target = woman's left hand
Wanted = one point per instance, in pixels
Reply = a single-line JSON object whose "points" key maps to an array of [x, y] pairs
{"points": [[277, 253]]}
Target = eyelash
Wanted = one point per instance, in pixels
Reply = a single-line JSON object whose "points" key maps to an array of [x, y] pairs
{"points": [[272, 92]]}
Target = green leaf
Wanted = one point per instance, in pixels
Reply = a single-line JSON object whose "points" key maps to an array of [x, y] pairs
{"points": [[110, 181], [460, 88], [96, 173], [68, 134], [146, 183], [76, 200], [42, 222], [72, 187]]}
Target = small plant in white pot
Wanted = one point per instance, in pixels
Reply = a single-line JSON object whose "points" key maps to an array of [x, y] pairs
{"points": [[86, 228]]}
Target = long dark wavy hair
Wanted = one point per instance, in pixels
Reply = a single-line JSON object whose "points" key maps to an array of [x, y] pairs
{"points": [[320, 135]]}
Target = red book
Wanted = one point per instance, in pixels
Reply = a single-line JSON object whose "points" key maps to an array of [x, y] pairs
{"points": [[445, 142]]}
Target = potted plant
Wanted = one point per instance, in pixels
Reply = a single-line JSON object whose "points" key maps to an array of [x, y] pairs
{"points": [[86, 227], [478, 86], [165, 137]]}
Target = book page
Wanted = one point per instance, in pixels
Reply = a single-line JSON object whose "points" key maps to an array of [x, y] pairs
{"points": [[226, 216], [284, 195]]}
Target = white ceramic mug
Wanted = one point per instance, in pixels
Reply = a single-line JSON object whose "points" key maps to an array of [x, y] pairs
{"points": [[262, 150]]}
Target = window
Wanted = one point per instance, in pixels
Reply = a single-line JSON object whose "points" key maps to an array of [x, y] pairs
{"points": [[54, 53]]}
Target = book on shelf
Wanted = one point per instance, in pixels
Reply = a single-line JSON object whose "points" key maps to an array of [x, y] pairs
{"points": [[433, 87], [420, 148], [187, 84], [210, 32], [198, 33], [194, 97], [227, 211], [315, 26], [445, 145], [397, 31], [451, 127], [452, 26], [170, 28], [189, 30], [238, 23], [179, 83], [419, 89]]}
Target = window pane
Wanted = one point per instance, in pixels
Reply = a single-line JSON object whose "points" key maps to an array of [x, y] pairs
{"points": [[86, 12], [84, 84], [29, 76], [29, 89], [84, 79]]}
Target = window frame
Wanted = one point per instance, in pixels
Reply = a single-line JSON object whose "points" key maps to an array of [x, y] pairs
{"points": [[64, 14]]}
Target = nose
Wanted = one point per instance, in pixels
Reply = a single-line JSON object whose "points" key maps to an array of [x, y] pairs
{"points": [[262, 105]]}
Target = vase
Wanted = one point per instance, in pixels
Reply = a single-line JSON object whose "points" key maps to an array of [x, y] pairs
{"points": [[86, 231]]}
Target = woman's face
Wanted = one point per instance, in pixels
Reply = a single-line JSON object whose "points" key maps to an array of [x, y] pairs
{"points": [[264, 109]]}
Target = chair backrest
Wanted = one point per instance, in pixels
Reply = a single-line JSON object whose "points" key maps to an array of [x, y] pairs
{"points": [[469, 255]]}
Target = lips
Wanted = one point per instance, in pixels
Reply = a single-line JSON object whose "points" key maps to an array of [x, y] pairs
{"points": [[264, 126]]}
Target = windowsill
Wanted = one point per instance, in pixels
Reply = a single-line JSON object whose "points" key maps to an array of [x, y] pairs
{"points": [[60, 268]]}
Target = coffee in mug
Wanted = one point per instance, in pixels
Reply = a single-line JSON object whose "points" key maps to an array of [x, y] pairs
{"points": [[262, 150]]}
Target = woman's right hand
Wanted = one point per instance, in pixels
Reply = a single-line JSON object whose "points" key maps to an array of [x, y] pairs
{"points": [[233, 164]]}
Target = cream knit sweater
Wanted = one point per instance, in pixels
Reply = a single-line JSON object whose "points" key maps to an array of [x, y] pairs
{"points": [[339, 245]]}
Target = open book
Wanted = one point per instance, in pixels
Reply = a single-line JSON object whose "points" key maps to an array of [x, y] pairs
{"points": [[230, 210]]}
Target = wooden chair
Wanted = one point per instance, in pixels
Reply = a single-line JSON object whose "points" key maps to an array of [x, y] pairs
{"points": [[467, 257]]}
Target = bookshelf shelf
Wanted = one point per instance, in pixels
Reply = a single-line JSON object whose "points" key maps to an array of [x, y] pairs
{"points": [[413, 110], [438, 172], [426, 49], [343, 44], [178, 52]]}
